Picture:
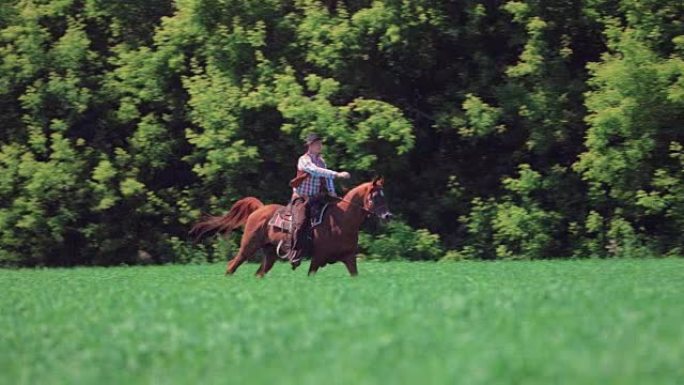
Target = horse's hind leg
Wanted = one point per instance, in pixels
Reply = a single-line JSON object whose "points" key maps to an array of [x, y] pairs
{"points": [[249, 245], [268, 261], [234, 263]]}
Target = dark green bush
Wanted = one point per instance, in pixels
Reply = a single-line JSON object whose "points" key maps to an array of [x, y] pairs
{"points": [[397, 240]]}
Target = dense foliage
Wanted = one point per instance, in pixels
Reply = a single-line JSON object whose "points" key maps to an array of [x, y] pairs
{"points": [[510, 129]]}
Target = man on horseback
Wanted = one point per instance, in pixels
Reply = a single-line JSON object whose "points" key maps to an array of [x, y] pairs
{"points": [[310, 187]]}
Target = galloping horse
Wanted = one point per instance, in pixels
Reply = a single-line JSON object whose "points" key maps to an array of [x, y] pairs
{"points": [[335, 239]]}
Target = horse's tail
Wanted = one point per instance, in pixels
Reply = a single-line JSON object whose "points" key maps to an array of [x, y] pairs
{"points": [[234, 218]]}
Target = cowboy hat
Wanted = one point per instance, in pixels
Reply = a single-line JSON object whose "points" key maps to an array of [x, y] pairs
{"points": [[312, 137]]}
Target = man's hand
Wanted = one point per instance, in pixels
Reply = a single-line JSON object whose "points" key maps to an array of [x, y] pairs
{"points": [[343, 175]]}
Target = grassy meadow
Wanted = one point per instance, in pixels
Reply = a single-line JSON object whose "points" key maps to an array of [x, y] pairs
{"points": [[549, 322]]}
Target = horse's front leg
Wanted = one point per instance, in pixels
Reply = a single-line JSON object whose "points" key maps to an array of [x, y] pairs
{"points": [[350, 262], [314, 266]]}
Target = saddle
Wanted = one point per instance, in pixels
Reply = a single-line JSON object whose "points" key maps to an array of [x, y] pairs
{"points": [[282, 219]]}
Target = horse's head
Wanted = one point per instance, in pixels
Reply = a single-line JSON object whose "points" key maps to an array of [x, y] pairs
{"points": [[375, 201]]}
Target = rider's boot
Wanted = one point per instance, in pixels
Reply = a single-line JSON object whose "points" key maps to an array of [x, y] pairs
{"points": [[297, 249]]}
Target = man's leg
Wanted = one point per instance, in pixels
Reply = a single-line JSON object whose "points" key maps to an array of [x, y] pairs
{"points": [[299, 212], [316, 203]]}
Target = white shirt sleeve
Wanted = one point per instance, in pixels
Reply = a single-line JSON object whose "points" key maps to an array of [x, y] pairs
{"points": [[307, 165]]}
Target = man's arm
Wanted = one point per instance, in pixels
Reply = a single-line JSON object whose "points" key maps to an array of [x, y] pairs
{"points": [[331, 186], [306, 165]]}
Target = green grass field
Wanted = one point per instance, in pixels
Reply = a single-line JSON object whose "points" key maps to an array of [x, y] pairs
{"points": [[556, 322]]}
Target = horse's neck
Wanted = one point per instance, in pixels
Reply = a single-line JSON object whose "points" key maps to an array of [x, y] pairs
{"points": [[351, 210]]}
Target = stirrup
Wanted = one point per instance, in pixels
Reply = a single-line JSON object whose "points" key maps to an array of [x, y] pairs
{"points": [[292, 254], [278, 252]]}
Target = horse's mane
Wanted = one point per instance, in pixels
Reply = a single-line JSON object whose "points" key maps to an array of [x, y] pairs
{"points": [[357, 191]]}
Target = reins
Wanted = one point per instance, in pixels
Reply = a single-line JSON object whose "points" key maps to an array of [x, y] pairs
{"points": [[355, 204]]}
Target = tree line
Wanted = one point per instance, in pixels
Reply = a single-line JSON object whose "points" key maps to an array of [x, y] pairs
{"points": [[504, 129]]}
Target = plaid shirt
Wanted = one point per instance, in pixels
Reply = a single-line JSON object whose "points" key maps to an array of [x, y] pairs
{"points": [[316, 168]]}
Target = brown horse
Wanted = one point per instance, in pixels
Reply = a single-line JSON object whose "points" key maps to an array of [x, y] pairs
{"points": [[335, 239]]}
